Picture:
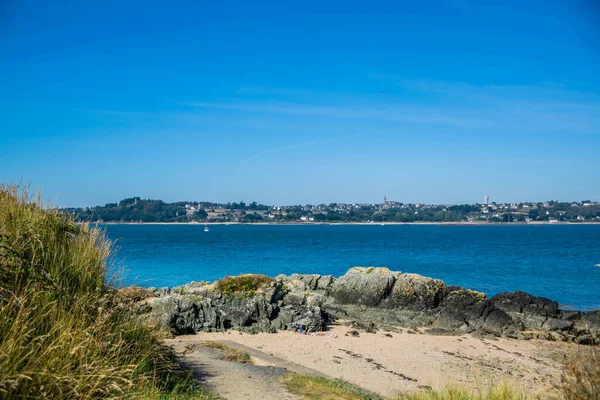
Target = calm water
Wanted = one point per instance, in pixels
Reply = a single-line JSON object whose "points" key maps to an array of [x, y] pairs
{"points": [[551, 261]]}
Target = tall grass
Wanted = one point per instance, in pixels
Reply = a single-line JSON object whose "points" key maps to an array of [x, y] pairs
{"points": [[581, 377], [64, 334]]}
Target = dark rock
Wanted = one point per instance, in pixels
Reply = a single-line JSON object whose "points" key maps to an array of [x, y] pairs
{"points": [[593, 318], [587, 339], [532, 322], [441, 332], [521, 302], [353, 333], [542, 306], [464, 310], [569, 315], [512, 302], [554, 324], [496, 322]]}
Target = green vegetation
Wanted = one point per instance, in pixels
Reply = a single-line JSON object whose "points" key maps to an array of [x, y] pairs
{"points": [[313, 387], [499, 392], [245, 285], [64, 333], [229, 353]]}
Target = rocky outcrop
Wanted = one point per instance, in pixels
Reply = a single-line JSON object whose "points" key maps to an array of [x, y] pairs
{"points": [[364, 286], [372, 297]]}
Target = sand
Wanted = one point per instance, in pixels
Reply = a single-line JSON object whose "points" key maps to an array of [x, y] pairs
{"points": [[409, 361]]}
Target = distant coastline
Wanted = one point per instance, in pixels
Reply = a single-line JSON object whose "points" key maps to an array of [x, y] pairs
{"points": [[135, 209], [483, 223]]}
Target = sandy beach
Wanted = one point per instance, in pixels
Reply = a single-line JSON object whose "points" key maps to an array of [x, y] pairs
{"points": [[389, 362]]}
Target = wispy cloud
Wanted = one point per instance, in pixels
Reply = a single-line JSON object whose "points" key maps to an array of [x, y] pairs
{"points": [[275, 150], [282, 149]]}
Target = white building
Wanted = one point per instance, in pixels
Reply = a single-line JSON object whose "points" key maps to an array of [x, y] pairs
{"points": [[486, 200]]}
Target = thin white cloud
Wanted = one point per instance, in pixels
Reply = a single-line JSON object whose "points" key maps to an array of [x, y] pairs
{"points": [[281, 149]]}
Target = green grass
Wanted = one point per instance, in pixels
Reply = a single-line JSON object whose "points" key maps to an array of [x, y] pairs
{"points": [[313, 387], [229, 353], [65, 334], [502, 391], [245, 285]]}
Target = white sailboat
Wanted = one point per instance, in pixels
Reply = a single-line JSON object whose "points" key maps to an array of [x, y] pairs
{"points": [[205, 227]]}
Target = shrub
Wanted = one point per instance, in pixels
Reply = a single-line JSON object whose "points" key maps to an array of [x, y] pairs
{"points": [[243, 284], [65, 334]]}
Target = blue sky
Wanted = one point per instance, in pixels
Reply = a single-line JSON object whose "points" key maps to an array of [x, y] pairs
{"points": [[301, 102]]}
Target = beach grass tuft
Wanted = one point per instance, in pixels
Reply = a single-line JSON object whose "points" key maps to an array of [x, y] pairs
{"points": [[246, 285], [65, 333]]}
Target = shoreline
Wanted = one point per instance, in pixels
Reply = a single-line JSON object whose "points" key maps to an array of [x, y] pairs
{"points": [[537, 223]]}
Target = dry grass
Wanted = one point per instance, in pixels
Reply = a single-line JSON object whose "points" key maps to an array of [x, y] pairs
{"points": [[64, 333], [581, 378], [229, 353]]}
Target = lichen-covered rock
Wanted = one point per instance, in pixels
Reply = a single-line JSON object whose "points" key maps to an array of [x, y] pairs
{"points": [[415, 292], [325, 282], [295, 298], [365, 286]]}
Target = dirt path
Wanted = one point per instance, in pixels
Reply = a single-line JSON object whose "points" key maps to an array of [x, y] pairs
{"points": [[233, 380]]}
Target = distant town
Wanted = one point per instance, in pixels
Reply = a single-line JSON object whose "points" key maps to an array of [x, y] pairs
{"points": [[137, 210]]}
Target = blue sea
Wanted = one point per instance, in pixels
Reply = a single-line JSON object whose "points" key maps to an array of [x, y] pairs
{"points": [[555, 261]]}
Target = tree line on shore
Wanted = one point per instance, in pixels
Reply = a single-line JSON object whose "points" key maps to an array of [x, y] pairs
{"points": [[140, 210]]}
